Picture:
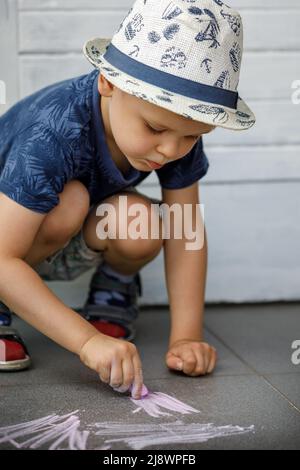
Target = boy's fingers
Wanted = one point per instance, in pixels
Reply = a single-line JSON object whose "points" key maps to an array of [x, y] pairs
{"points": [[138, 378], [213, 361], [207, 354], [128, 374], [116, 373], [189, 361], [202, 362], [174, 362], [104, 374]]}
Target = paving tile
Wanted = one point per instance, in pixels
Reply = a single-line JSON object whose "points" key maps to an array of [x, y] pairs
{"points": [[262, 335], [238, 403]]}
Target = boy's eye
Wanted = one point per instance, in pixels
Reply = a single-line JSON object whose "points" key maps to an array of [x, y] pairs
{"points": [[159, 132], [153, 130]]}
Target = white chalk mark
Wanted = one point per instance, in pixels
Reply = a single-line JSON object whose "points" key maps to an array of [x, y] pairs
{"points": [[52, 428], [137, 410], [143, 435], [56, 431], [153, 403]]}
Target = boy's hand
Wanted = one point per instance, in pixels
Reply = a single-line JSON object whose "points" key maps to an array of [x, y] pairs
{"points": [[116, 361], [192, 357]]}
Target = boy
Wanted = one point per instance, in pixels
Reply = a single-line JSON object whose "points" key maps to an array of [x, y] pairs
{"points": [[168, 77]]}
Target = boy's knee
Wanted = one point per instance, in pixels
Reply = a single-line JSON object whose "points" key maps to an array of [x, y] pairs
{"points": [[140, 248], [66, 219]]}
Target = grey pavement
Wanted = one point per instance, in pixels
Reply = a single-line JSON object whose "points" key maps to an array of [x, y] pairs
{"points": [[252, 400]]}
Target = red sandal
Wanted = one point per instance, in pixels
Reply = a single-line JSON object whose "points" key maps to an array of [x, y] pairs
{"points": [[13, 352]]}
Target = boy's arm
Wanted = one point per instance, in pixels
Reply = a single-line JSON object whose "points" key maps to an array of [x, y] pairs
{"points": [[22, 289], [185, 271], [116, 361]]}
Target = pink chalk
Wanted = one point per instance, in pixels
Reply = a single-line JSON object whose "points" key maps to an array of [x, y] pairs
{"points": [[145, 391]]}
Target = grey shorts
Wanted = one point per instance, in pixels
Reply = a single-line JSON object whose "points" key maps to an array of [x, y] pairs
{"points": [[75, 257]]}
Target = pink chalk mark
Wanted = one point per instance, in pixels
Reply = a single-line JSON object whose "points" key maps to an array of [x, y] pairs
{"points": [[153, 403]]}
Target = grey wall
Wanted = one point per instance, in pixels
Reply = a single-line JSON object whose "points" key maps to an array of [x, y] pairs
{"points": [[251, 192]]}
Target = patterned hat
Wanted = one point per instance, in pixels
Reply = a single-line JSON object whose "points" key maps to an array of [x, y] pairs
{"points": [[181, 55]]}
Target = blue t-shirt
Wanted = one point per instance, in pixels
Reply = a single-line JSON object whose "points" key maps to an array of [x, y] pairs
{"points": [[57, 134]]}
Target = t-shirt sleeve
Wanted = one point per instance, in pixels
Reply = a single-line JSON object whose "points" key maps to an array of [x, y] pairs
{"points": [[33, 170], [186, 170]]}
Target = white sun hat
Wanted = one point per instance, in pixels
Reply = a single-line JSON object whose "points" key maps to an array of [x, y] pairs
{"points": [[182, 55]]}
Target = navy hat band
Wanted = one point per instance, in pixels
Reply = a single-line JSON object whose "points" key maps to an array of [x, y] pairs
{"points": [[181, 86]]}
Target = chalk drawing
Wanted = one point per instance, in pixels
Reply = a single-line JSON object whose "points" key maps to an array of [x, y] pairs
{"points": [[51, 428], [139, 436], [152, 403], [63, 432]]}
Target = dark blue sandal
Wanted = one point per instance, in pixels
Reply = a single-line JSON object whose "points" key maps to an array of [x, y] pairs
{"points": [[111, 314], [5, 315]]}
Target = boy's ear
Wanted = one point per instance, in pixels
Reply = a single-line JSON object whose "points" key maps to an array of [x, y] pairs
{"points": [[105, 88]]}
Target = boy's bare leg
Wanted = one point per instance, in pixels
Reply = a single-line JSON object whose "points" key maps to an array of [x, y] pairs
{"points": [[125, 256]]}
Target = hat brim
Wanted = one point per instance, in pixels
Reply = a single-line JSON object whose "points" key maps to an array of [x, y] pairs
{"points": [[213, 114]]}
